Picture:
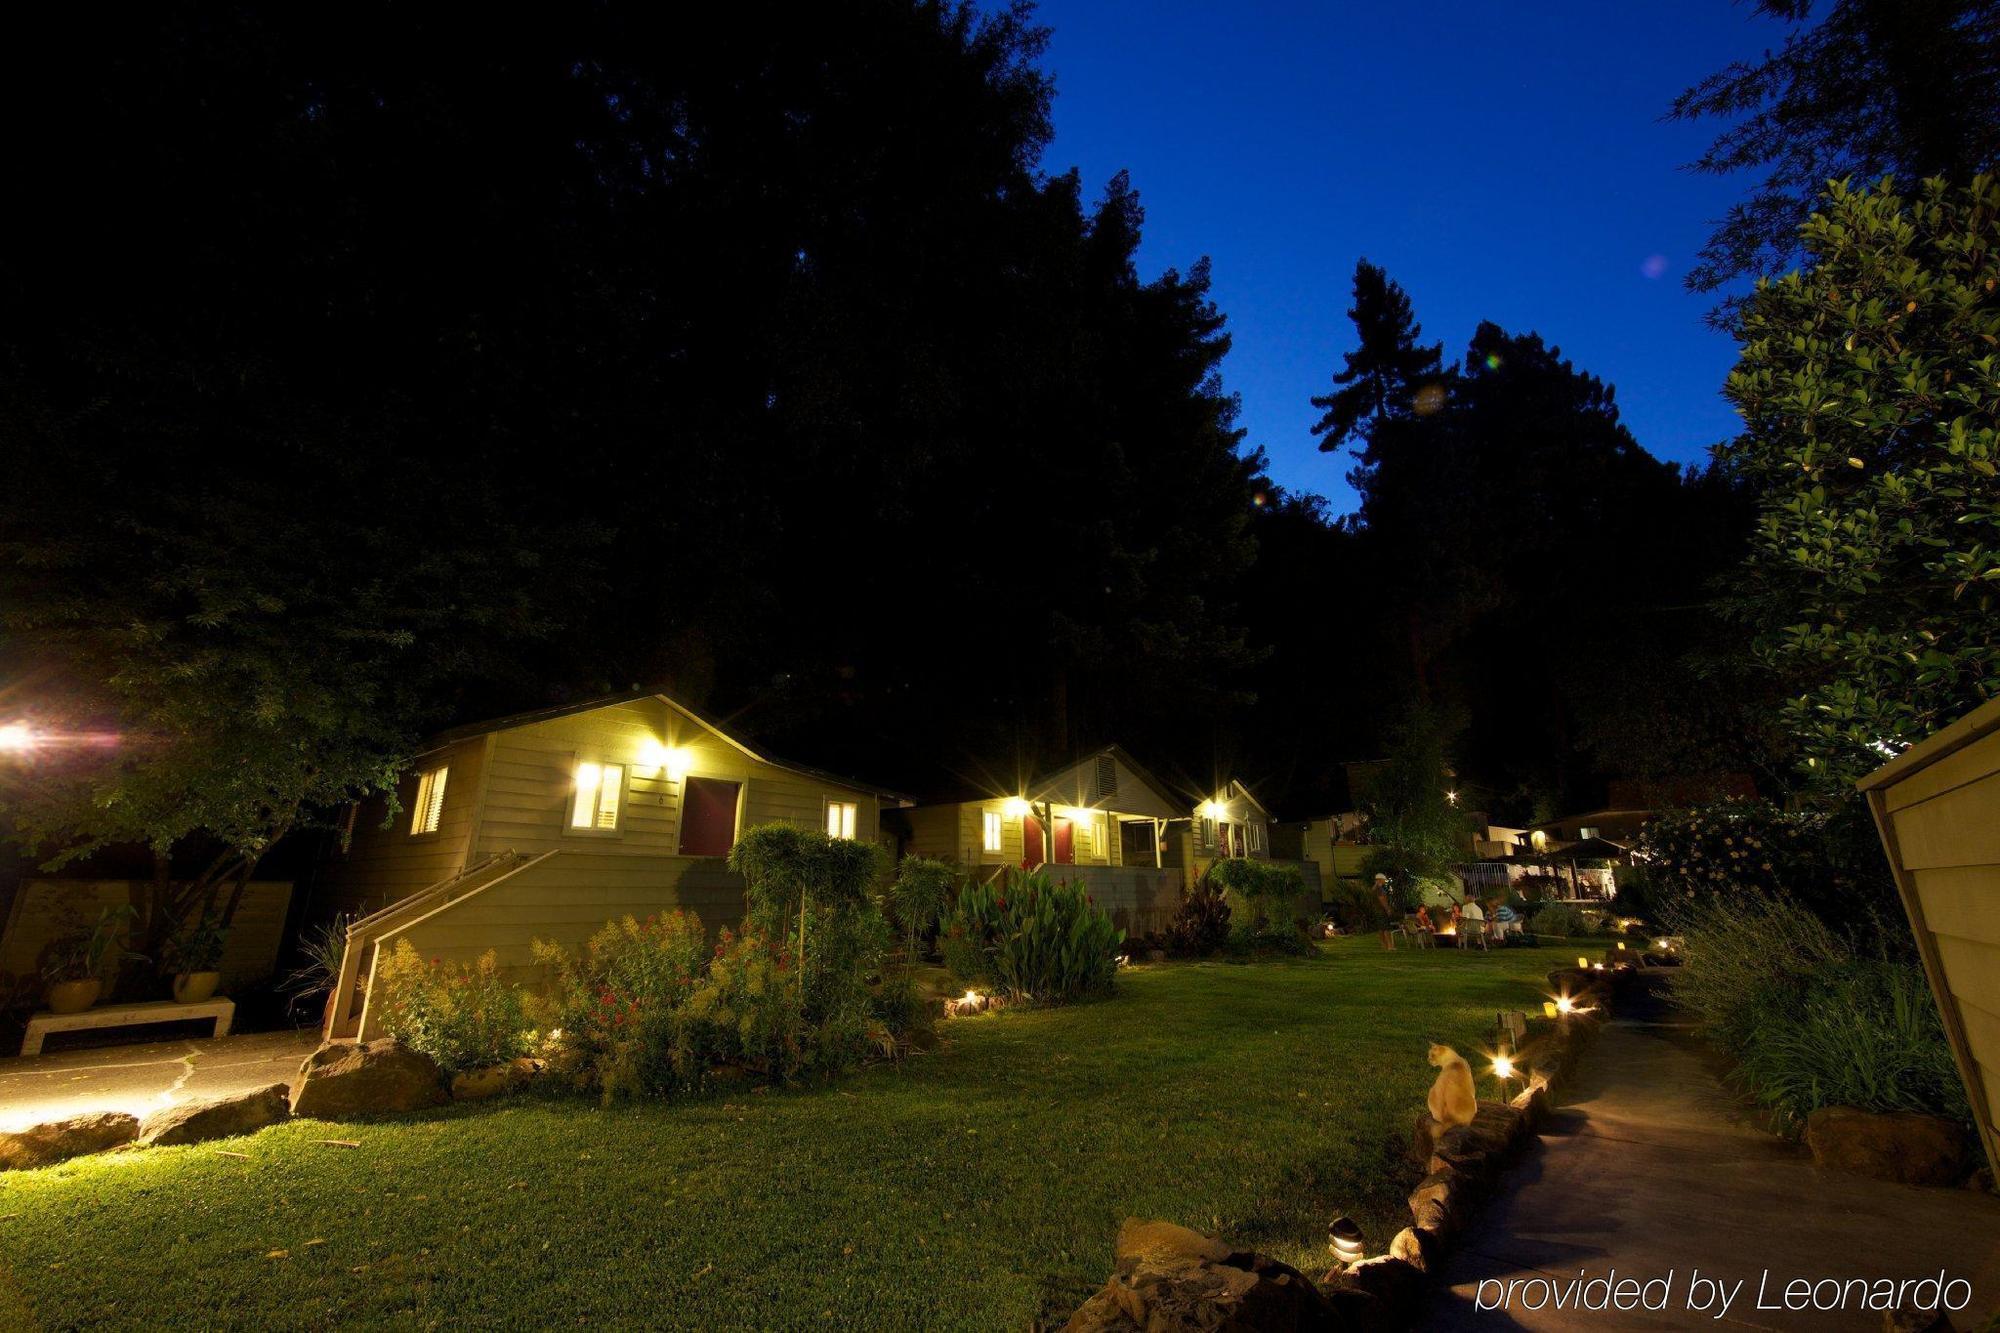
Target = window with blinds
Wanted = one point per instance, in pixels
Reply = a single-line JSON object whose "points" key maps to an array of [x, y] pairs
{"points": [[840, 819], [1104, 781], [430, 802], [989, 826], [599, 790]]}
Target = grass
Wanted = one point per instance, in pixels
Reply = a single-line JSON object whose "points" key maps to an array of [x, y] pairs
{"points": [[978, 1187]]}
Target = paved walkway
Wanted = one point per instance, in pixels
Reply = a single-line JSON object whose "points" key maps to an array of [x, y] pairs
{"points": [[1654, 1170], [39, 1088]]}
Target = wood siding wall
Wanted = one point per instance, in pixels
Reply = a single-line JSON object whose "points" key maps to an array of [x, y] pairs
{"points": [[1938, 811], [956, 833], [529, 788], [384, 862], [568, 898]]}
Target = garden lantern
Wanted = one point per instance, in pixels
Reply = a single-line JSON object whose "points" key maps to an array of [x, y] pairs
{"points": [[1343, 1240], [1548, 1008], [1582, 963]]}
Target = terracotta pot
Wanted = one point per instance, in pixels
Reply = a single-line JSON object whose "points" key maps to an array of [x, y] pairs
{"points": [[73, 997], [194, 987]]}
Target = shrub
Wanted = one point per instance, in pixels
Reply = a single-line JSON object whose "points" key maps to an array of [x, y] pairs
{"points": [[1261, 894], [923, 889], [749, 1011], [1557, 919], [615, 1002], [1200, 926], [1827, 859], [1861, 1033], [1354, 907], [1040, 939], [1807, 1021], [462, 1017]]}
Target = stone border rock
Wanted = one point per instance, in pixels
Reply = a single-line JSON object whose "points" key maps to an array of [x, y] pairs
{"points": [[1169, 1278]]}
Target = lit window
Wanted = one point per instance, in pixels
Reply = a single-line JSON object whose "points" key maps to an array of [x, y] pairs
{"points": [[1586, 832], [840, 819], [1256, 837], [598, 788], [1208, 833], [989, 824], [430, 802]]}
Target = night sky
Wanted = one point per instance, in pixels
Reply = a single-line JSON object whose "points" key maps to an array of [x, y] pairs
{"points": [[1502, 161]]}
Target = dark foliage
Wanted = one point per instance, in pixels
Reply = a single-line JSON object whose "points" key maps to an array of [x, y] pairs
{"points": [[1860, 89], [1200, 926]]}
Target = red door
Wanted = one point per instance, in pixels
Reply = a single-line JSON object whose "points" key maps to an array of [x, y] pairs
{"points": [[1031, 841], [708, 816], [1065, 843]]}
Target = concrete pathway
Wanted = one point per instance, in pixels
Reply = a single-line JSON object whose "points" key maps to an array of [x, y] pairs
{"points": [[1653, 1170], [38, 1088]]}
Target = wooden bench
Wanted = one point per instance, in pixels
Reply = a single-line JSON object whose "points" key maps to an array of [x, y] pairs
{"points": [[127, 1015]]}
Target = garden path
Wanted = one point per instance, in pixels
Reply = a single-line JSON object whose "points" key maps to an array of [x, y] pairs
{"points": [[1653, 1169], [138, 1078]]}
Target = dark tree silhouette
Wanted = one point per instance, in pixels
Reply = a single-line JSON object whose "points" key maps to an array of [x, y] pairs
{"points": [[1909, 88]]}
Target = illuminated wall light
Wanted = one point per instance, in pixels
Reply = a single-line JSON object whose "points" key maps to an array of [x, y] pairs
{"points": [[1214, 810], [1014, 807], [18, 738], [660, 757]]}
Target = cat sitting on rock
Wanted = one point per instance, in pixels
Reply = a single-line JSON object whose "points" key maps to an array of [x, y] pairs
{"points": [[1452, 1100]]}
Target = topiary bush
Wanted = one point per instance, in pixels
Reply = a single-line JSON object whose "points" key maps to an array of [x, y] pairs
{"points": [[1035, 938]]}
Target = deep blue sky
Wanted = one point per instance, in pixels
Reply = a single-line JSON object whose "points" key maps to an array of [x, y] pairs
{"points": [[1503, 161]]}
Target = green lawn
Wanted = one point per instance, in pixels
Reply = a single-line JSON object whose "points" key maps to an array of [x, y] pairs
{"points": [[978, 1187]]}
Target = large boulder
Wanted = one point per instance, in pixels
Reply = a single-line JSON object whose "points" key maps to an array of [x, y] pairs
{"points": [[59, 1140], [1172, 1280], [217, 1118], [1903, 1146], [340, 1081]]}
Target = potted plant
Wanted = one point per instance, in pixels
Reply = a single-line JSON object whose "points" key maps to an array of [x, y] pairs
{"points": [[195, 952], [75, 958]]}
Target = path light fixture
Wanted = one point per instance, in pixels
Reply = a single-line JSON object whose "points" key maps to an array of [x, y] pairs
{"points": [[1343, 1241], [1549, 1009], [1582, 964]]}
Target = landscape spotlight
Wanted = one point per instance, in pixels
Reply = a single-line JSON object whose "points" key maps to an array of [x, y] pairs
{"points": [[1343, 1239]]}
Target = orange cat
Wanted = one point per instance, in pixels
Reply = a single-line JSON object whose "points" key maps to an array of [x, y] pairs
{"points": [[1452, 1100]]}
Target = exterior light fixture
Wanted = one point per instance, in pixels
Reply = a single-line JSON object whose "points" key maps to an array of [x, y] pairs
{"points": [[1014, 807], [18, 738], [1549, 1009], [1582, 963], [1503, 1065], [1565, 1005], [1343, 1241], [671, 760], [1214, 810], [1621, 944], [1451, 797]]}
